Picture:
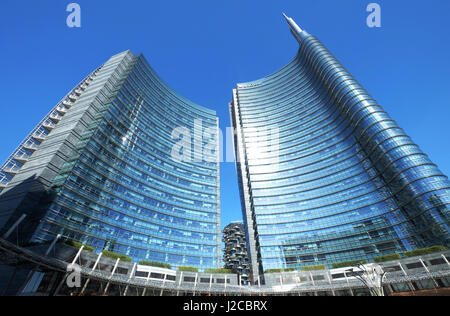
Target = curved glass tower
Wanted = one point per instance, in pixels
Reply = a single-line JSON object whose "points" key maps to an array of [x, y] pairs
{"points": [[105, 174], [344, 181]]}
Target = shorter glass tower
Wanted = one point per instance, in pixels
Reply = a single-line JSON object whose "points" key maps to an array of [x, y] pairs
{"points": [[100, 170]]}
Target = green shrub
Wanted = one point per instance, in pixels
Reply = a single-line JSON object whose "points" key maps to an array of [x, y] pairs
{"points": [[156, 264], [78, 245], [425, 251], [314, 268], [279, 270], [388, 258], [189, 269], [113, 255], [88, 248], [225, 271], [348, 264]]}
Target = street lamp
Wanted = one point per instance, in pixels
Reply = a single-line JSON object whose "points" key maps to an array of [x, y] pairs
{"points": [[372, 276]]}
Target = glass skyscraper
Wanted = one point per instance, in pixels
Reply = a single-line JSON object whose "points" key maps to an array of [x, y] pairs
{"points": [[342, 181], [99, 170]]}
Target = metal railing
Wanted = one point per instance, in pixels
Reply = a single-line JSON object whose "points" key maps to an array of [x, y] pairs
{"points": [[22, 157], [298, 287], [13, 170]]}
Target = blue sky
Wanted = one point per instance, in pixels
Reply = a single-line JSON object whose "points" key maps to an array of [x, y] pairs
{"points": [[204, 48]]}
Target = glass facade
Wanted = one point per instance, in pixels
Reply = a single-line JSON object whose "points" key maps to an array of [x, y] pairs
{"points": [[344, 183], [120, 190]]}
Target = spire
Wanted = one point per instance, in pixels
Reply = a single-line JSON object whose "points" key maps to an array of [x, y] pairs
{"points": [[295, 29]]}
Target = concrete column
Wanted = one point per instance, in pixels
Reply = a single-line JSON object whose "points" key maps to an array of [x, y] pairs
{"points": [[331, 282], [411, 286], [52, 245], [313, 283], [445, 259], [146, 284], [34, 275], [130, 277], [78, 254], [436, 286], [297, 279], [164, 283], [13, 227], [195, 284], [93, 269], [111, 276], [210, 282], [67, 274], [179, 283], [348, 283]]}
